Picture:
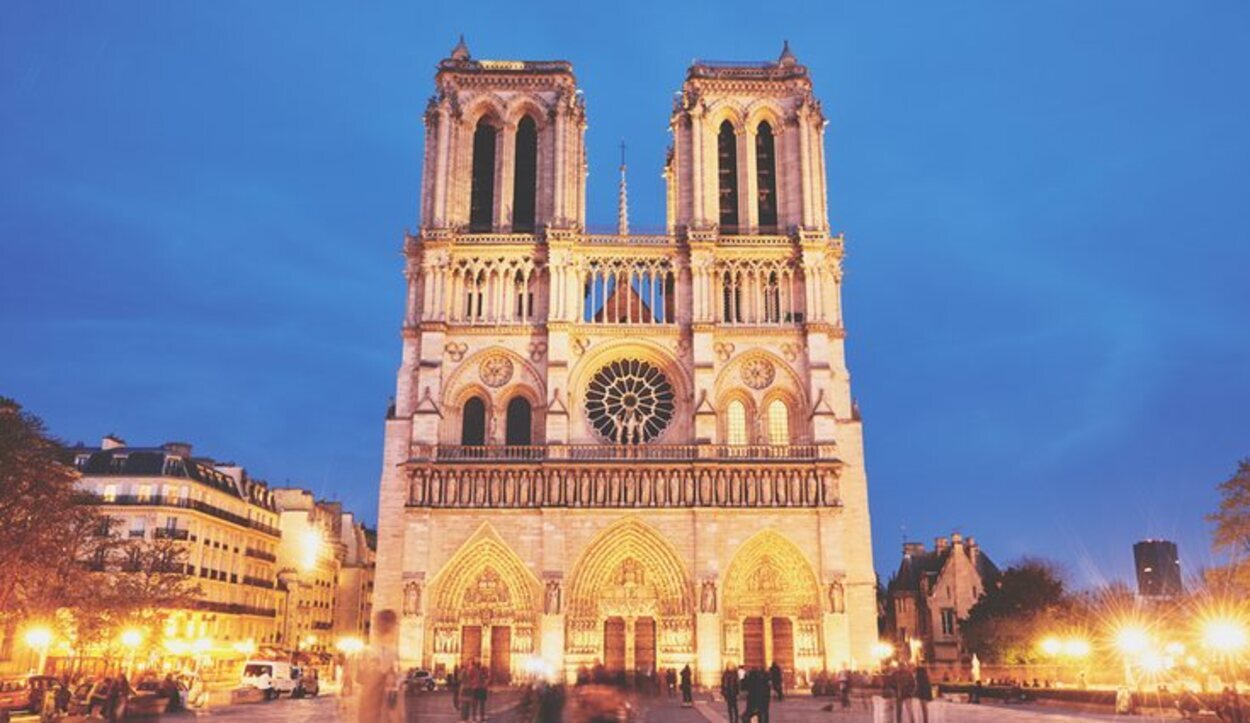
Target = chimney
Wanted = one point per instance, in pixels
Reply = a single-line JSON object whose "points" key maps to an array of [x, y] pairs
{"points": [[913, 548], [941, 544], [181, 449], [112, 441], [957, 539], [973, 548]]}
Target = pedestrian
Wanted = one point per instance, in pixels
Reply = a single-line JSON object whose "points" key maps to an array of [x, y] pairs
{"points": [[687, 690], [729, 689], [465, 692], [774, 675], [453, 684], [903, 687], [118, 697], [924, 691], [670, 681], [377, 674], [480, 690], [844, 688], [759, 696]]}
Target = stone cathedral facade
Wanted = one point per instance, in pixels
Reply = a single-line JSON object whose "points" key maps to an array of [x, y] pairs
{"points": [[637, 450]]}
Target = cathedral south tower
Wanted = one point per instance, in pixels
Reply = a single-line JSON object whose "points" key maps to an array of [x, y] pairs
{"points": [[633, 450]]}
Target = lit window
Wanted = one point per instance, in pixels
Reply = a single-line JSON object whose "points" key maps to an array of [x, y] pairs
{"points": [[145, 492], [778, 423], [736, 423], [948, 621], [110, 493]]}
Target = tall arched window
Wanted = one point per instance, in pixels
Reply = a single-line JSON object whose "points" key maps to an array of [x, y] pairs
{"points": [[482, 191], [519, 429], [736, 423], [772, 299], [778, 423], [473, 423], [727, 172], [766, 175], [525, 177]]}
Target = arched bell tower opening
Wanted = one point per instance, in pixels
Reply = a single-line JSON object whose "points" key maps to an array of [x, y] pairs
{"points": [[482, 195]]}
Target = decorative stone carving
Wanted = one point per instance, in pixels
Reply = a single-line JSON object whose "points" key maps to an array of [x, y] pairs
{"points": [[837, 597], [723, 350], [496, 370], [412, 598], [537, 350], [580, 345], [707, 600], [757, 372], [551, 604], [456, 350], [791, 351]]}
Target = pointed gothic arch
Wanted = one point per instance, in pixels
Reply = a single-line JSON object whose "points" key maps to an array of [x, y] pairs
{"points": [[770, 575]]}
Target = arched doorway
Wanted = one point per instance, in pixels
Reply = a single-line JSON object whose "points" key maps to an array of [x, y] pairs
{"points": [[772, 607], [630, 605], [485, 607]]}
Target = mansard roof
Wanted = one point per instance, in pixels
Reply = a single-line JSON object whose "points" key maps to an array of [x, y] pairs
{"points": [[162, 462]]}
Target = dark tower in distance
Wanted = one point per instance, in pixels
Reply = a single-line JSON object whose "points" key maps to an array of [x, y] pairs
{"points": [[1158, 568]]}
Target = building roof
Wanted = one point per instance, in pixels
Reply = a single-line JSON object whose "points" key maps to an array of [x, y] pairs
{"points": [[920, 569], [165, 462]]}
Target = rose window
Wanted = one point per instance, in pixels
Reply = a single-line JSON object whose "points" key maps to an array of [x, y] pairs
{"points": [[629, 402]]}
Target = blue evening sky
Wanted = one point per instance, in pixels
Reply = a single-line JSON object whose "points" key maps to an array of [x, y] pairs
{"points": [[1045, 203]]}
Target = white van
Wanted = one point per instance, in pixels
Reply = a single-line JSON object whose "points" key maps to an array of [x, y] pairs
{"points": [[271, 677]]}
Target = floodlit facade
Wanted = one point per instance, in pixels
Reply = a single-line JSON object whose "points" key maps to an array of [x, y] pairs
{"points": [[639, 450], [310, 556], [226, 520], [354, 600]]}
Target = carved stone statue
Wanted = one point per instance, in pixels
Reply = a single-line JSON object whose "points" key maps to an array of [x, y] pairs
{"points": [[837, 597], [551, 604], [412, 598], [707, 601]]}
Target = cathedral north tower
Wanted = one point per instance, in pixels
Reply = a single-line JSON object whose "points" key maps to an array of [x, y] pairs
{"points": [[636, 449]]}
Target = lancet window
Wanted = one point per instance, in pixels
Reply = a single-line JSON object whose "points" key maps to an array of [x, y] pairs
{"points": [[628, 291], [525, 176], [778, 423], [756, 291], [766, 176], [519, 422], [482, 190], [473, 423], [727, 174], [736, 423]]}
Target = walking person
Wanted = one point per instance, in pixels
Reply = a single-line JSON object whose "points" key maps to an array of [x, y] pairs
{"points": [[687, 689], [465, 689], [924, 691], [377, 675], [903, 686], [670, 682], [774, 675], [480, 692], [729, 689], [844, 688]]}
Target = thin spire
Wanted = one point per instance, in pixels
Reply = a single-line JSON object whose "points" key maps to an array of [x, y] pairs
{"points": [[622, 207], [461, 51]]}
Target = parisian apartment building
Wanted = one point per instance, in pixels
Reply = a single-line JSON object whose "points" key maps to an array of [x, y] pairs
{"points": [[267, 561]]}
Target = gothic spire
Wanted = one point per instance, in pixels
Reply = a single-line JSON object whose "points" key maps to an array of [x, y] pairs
{"points": [[461, 51], [787, 57], [622, 206]]}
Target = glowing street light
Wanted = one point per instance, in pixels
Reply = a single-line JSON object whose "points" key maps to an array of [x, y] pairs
{"points": [[1224, 636], [1052, 646], [882, 650], [1132, 640], [132, 638], [350, 645], [1076, 648], [39, 639]]}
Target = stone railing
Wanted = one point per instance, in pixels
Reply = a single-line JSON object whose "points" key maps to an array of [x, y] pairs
{"points": [[628, 452], [651, 476]]}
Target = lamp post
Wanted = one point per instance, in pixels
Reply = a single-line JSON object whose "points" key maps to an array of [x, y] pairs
{"points": [[39, 639], [1226, 639], [1131, 642], [131, 638]]}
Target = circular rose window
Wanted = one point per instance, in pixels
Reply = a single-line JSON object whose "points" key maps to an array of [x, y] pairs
{"points": [[629, 402]]}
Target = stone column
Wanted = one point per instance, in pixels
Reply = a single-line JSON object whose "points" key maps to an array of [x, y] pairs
{"points": [[749, 207], [505, 154], [699, 203]]}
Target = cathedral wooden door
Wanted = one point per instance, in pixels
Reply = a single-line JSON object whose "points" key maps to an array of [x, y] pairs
{"points": [[470, 644], [783, 647], [614, 644], [644, 644], [753, 643], [501, 655]]}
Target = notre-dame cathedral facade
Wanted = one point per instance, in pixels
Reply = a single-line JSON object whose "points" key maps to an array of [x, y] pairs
{"points": [[638, 450]]}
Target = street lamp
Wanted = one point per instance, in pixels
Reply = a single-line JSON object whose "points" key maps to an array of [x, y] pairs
{"points": [[39, 639], [1226, 638], [131, 638], [1132, 642], [350, 645], [882, 650]]}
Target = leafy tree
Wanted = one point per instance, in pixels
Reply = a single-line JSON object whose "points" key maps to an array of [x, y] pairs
{"points": [[1232, 529], [1005, 623]]}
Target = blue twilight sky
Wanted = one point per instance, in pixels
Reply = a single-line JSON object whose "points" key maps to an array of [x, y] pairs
{"points": [[202, 204]]}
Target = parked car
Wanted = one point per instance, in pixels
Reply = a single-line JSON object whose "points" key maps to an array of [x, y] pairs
{"points": [[14, 694], [418, 680], [307, 682], [39, 686], [271, 677]]}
